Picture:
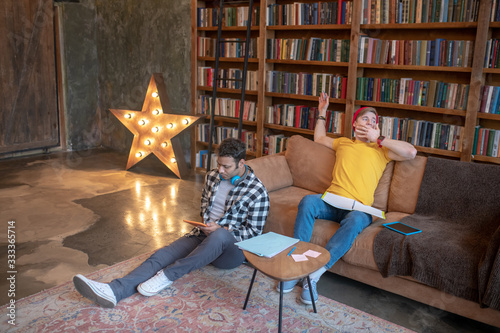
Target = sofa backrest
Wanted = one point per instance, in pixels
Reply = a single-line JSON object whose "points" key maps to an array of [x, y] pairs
{"points": [[310, 164], [405, 184], [273, 171]]}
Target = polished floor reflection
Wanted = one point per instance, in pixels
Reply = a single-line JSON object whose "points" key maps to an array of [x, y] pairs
{"points": [[80, 212]]}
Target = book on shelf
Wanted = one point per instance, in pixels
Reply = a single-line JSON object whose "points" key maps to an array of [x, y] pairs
{"points": [[223, 132], [317, 13], [418, 11], [202, 159], [310, 84], [232, 16], [423, 133], [490, 99], [206, 47], [314, 48], [413, 92], [274, 144], [301, 116], [206, 75], [438, 52], [486, 142], [226, 107]]}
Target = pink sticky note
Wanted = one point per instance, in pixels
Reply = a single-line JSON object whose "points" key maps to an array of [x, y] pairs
{"points": [[311, 253], [299, 257]]}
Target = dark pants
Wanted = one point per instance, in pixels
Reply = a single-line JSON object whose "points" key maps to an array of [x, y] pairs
{"points": [[181, 257]]}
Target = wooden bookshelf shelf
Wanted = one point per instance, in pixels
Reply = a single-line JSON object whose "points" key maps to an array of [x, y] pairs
{"points": [[227, 90], [310, 27], [229, 119], [488, 159], [419, 68], [475, 76], [253, 28], [227, 59], [205, 144], [412, 108], [421, 26], [435, 151], [491, 70], [488, 116], [296, 130], [304, 97], [308, 63]]}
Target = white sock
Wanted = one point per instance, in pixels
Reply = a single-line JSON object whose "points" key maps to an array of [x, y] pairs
{"points": [[317, 274]]}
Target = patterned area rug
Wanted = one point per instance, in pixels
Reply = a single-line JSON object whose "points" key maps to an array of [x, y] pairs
{"points": [[207, 300]]}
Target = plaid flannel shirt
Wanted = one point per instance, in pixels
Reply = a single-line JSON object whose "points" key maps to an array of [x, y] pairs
{"points": [[246, 208]]}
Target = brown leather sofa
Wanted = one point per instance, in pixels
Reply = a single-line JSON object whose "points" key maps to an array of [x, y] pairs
{"points": [[305, 168]]}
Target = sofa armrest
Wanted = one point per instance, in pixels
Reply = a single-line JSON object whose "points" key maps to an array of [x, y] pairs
{"points": [[273, 171]]}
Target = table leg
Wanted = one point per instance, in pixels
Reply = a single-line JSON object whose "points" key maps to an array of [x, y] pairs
{"points": [[281, 306], [250, 289], [312, 296]]}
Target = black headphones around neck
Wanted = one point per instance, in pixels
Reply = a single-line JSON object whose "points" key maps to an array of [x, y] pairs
{"points": [[235, 180]]}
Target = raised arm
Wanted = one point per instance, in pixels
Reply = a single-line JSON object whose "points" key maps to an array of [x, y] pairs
{"points": [[320, 129], [398, 150]]}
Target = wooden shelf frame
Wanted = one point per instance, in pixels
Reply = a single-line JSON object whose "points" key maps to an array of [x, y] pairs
{"points": [[474, 75]]}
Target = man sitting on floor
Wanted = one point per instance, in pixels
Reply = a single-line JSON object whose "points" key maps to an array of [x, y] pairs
{"points": [[234, 206], [358, 168]]}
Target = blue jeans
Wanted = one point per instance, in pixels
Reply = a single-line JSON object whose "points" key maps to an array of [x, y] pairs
{"points": [[181, 257], [311, 207]]}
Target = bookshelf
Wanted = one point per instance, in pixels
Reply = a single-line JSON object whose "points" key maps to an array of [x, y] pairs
{"points": [[282, 62]]}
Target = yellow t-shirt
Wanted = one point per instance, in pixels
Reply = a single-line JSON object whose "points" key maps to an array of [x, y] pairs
{"points": [[357, 169]]}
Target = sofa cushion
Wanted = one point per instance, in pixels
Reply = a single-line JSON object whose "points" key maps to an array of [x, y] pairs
{"points": [[381, 195], [273, 171], [405, 185], [311, 164], [283, 209], [361, 252]]}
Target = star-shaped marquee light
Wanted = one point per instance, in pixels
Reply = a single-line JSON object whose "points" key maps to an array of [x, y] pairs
{"points": [[155, 129]]}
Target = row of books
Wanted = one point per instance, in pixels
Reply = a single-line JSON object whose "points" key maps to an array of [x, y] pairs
{"points": [[431, 93], [338, 12], [228, 78], [439, 52], [495, 11], [231, 17], [490, 99], [224, 132], [486, 142], [301, 116], [492, 56], [226, 107], [418, 11], [423, 133], [274, 144], [310, 84], [230, 48], [308, 49], [202, 159]]}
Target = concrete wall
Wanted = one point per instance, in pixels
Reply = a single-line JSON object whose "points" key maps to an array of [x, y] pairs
{"points": [[111, 48]]}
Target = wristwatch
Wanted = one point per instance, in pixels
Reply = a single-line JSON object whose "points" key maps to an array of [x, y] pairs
{"points": [[379, 140]]}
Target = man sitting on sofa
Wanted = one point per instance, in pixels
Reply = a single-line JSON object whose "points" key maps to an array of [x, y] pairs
{"points": [[358, 168], [234, 206]]}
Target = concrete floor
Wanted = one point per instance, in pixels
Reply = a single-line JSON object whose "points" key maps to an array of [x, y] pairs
{"points": [[79, 212]]}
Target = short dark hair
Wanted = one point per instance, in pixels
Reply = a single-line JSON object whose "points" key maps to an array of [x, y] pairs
{"points": [[233, 148]]}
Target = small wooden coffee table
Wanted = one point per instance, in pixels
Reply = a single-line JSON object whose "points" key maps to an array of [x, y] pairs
{"points": [[282, 267]]}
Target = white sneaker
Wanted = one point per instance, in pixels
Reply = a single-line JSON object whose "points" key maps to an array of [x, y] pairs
{"points": [[154, 285], [100, 293]]}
